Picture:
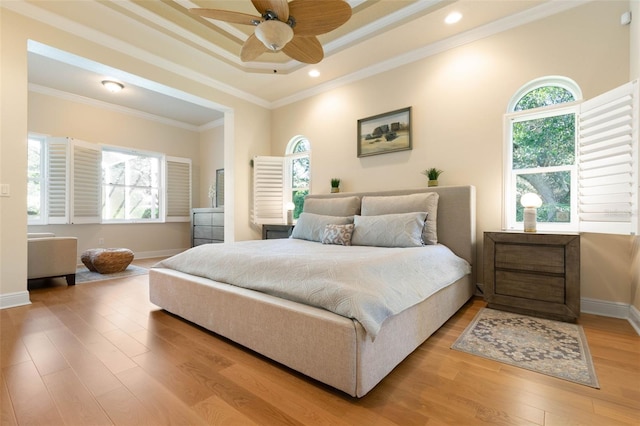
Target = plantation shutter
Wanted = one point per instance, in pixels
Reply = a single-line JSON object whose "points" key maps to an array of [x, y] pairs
{"points": [[57, 181], [178, 184], [608, 162], [268, 190], [86, 200]]}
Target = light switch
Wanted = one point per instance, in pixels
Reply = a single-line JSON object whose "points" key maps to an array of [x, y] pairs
{"points": [[4, 190]]}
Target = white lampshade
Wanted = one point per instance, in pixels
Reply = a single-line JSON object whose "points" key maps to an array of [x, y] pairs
{"points": [[274, 34], [290, 206], [531, 200]]}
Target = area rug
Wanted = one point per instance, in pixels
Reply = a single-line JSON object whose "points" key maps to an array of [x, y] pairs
{"points": [[549, 347], [83, 275]]}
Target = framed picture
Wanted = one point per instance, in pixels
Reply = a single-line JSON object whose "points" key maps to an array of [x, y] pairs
{"points": [[220, 188], [383, 133]]}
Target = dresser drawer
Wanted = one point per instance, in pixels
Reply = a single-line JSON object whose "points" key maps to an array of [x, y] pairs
{"points": [[208, 219], [530, 286], [209, 232], [539, 258]]}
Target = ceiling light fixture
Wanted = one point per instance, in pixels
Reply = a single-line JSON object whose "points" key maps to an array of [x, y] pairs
{"points": [[274, 34], [314, 73], [453, 17], [112, 86]]}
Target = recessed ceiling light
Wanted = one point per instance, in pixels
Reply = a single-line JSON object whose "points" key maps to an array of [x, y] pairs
{"points": [[453, 17], [314, 73], [112, 86]]}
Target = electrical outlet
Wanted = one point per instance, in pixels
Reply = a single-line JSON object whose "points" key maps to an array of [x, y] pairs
{"points": [[100, 241]]}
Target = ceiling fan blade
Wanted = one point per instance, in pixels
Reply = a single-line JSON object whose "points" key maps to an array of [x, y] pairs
{"points": [[279, 7], [252, 48], [304, 49], [318, 17], [227, 16]]}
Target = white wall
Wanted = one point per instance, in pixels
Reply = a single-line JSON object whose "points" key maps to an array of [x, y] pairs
{"points": [[459, 98]]}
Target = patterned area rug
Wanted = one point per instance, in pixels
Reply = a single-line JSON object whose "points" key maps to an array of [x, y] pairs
{"points": [[549, 347], [83, 275]]}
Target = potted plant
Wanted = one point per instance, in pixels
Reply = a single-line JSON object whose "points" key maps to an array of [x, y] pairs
{"points": [[433, 175], [335, 185]]}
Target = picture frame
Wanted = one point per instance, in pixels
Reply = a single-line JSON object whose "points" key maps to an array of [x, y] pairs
{"points": [[385, 133]]}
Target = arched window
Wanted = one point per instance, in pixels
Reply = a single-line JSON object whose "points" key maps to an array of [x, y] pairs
{"points": [[298, 172], [540, 152]]}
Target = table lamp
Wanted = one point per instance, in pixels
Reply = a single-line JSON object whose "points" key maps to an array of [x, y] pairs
{"points": [[290, 207], [530, 202]]}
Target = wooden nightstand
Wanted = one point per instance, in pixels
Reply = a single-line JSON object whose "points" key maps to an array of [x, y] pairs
{"points": [[533, 273], [273, 232]]}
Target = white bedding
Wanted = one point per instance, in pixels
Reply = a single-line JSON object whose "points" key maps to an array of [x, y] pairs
{"points": [[368, 284]]}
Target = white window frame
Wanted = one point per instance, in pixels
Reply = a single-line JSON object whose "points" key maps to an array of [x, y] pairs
{"points": [[510, 174], [272, 189], [41, 219], [134, 152]]}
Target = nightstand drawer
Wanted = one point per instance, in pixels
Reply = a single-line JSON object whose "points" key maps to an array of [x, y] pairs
{"points": [[539, 258], [530, 286]]}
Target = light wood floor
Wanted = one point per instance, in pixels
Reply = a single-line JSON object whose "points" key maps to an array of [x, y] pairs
{"points": [[100, 353]]}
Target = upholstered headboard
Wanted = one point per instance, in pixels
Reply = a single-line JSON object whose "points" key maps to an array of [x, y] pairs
{"points": [[456, 215]]}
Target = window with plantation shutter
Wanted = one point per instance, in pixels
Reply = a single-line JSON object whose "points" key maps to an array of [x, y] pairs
{"points": [[57, 180], [608, 162], [91, 183], [269, 190], [178, 184], [86, 198]]}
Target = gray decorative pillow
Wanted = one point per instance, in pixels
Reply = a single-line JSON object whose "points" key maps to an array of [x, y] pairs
{"points": [[311, 226], [421, 202], [389, 230], [338, 234], [344, 206]]}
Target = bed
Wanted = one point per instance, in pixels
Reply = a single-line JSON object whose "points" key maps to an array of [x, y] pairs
{"points": [[351, 350]]}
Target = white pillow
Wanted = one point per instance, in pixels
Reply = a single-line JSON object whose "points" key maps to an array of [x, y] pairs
{"points": [[421, 202], [342, 206], [311, 226], [389, 230]]}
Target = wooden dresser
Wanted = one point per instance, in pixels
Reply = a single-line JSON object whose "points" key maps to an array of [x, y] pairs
{"points": [[533, 273], [207, 226]]}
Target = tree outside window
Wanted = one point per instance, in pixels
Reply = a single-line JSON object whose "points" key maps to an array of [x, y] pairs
{"points": [[35, 184], [299, 180]]}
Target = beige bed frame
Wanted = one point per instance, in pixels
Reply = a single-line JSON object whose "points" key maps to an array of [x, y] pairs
{"points": [[327, 347]]}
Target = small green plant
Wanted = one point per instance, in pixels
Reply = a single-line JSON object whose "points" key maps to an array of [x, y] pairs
{"points": [[335, 182], [432, 173]]}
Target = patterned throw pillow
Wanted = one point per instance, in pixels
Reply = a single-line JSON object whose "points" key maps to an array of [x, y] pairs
{"points": [[338, 234]]}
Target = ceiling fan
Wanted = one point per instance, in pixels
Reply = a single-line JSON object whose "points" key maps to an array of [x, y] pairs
{"points": [[288, 26]]}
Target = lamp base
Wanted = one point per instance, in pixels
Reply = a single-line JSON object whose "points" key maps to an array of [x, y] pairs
{"points": [[530, 219]]}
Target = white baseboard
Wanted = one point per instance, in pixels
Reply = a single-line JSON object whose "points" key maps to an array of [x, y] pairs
{"points": [[158, 253], [613, 310], [634, 318], [11, 300]]}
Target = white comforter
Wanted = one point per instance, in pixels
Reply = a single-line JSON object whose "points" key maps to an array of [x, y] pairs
{"points": [[368, 284]]}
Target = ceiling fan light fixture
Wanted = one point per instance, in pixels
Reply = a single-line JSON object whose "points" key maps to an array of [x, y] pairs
{"points": [[274, 34], [112, 86]]}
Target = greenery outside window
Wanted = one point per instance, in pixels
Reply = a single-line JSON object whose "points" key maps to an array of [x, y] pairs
{"points": [[541, 152], [298, 179]]}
